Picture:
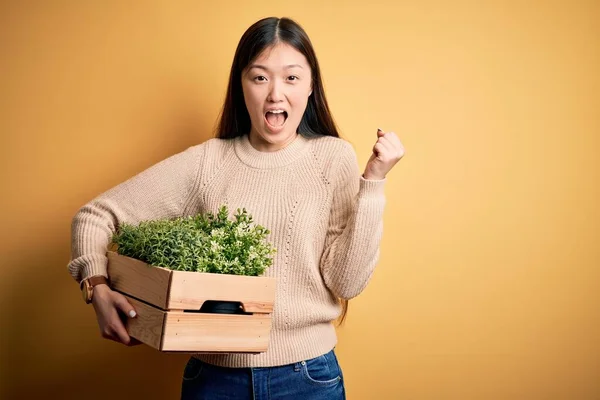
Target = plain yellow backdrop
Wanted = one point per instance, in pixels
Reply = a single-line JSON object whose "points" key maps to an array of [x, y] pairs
{"points": [[489, 281]]}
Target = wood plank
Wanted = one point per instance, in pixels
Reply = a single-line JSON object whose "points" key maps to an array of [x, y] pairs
{"points": [[189, 290], [215, 333], [148, 325], [138, 279]]}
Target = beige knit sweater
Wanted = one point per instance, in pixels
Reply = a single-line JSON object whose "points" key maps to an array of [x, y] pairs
{"points": [[325, 221]]}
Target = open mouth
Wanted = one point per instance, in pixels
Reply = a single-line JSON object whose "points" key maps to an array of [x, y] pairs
{"points": [[276, 119]]}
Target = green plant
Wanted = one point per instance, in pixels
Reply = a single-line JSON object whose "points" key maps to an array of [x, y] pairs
{"points": [[200, 243]]}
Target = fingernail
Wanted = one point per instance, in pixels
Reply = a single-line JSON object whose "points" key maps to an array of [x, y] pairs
{"points": [[379, 129], [132, 314]]}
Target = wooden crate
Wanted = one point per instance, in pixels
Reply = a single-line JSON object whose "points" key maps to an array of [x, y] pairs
{"points": [[168, 303]]}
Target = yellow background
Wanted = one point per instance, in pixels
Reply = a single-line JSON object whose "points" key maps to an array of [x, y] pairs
{"points": [[489, 282]]}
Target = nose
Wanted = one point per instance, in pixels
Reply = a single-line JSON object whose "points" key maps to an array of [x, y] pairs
{"points": [[275, 92]]}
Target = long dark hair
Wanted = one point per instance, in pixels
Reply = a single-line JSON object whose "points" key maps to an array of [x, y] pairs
{"points": [[234, 120]]}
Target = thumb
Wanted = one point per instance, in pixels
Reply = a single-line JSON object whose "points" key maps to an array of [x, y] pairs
{"points": [[380, 132], [123, 305]]}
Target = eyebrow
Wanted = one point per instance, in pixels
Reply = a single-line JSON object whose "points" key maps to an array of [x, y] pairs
{"points": [[266, 69]]}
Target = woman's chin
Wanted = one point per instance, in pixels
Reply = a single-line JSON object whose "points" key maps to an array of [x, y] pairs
{"points": [[274, 138]]}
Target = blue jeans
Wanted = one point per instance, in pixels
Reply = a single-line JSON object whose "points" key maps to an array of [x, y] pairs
{"points": [[315, 379]]}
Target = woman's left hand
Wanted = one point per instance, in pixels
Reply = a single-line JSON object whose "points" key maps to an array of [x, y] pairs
{"points": [[386, 153]]}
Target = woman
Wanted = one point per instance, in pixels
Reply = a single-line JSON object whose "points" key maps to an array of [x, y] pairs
{"points": [[278, 154]]}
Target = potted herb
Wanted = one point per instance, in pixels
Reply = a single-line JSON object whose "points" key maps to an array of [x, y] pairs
{"points": [[196, 282]]}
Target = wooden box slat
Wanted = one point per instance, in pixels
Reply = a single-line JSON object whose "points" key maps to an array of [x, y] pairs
{"points": [[189, 290], [216, 332], [148, 325], [199, 332], [136, 278], [183, 290]]}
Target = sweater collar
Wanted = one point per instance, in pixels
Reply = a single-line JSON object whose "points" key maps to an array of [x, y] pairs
{"points": [[273, 159]]}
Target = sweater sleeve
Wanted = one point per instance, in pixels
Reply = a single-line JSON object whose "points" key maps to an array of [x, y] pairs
{"points": [[158, 192], [354, 230]]}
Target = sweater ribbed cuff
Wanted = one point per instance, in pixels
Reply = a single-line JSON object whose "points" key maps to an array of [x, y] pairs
{"points": [[372, 187], [91, 265]]}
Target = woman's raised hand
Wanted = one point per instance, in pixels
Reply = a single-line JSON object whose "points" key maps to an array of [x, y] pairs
{"points": [[387, 151]]}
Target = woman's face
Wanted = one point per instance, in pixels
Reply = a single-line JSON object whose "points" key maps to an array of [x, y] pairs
{"points": [[276, 88]]}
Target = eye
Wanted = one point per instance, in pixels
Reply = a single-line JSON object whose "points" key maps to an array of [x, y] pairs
{"points": [[293, 78], [260, 78]]}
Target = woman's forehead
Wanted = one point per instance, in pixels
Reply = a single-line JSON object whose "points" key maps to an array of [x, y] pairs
{"points": [[280, 55]]}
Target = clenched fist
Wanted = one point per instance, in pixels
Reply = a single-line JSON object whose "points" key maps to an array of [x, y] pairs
{"points": [[386, 153]]}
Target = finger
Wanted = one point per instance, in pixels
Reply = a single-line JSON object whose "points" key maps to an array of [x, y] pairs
{"points": [[120, 332], [123, 305], [392, 145], [380, 132], [378, 149], [115, 327], [386, 142], [388, 151], [110, 334], [133, 342], [112, 338], [392, 137], [388, 147]]}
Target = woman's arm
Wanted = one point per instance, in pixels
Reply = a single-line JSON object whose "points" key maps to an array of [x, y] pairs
{"points": [[355, 228], [160, 191]]}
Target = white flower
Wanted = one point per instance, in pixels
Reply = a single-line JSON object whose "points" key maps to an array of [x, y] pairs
{"points": [[217, 233], [252, 255], [242, 229], [214, 246]]}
